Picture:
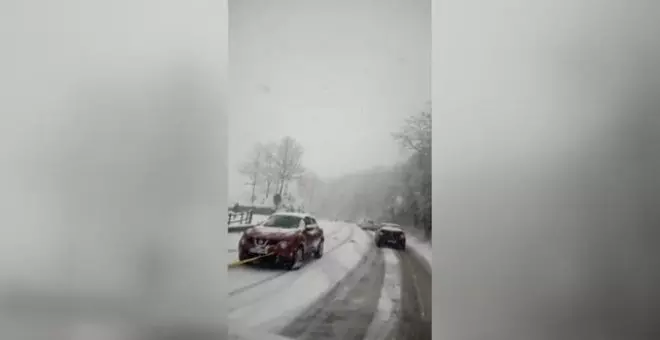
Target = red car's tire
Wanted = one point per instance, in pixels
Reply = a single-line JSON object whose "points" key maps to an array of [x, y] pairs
{"points": [[318, 252], [298, 259]]}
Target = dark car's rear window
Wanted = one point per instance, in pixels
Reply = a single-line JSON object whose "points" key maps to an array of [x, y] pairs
{"points": [[390, 231], [282, 221]]}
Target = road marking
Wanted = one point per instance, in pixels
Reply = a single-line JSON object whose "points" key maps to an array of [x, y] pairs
{"points": [[385, 319]]}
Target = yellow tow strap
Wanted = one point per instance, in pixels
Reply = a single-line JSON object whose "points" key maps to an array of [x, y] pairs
{"points": [[238, 262]]}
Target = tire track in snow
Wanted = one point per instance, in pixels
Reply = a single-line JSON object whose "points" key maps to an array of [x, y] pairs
{"points": [[386, 316], [346, 310]]}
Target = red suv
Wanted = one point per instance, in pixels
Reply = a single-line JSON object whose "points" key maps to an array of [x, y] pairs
{"points": [[285, 238]]}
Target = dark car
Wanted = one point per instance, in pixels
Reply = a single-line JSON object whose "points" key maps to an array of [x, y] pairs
{"points": [[285, 238], [392, 235]]}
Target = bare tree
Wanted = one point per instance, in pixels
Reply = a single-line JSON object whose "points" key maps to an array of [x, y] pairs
{"points": [[416, 133], [287, 161], [269, 169]]}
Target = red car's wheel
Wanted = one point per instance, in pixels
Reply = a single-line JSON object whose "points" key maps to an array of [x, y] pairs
{"points": [[318, 253], [298, 259]]}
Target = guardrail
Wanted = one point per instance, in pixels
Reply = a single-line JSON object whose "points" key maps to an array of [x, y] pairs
{"points": [[239, 228], [242, 217]]}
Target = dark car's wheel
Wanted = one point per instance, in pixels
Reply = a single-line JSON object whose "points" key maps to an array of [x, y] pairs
{"points": [[402, 246], [298, 259], [318, 252]]}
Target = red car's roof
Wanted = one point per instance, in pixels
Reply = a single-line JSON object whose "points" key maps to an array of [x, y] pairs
{"points": [[299, 215]]}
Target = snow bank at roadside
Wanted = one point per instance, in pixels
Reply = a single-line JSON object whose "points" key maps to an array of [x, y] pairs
{"points": [[422, 248]]}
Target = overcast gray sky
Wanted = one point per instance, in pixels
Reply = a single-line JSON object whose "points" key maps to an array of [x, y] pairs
{"points": [[339, 76]]}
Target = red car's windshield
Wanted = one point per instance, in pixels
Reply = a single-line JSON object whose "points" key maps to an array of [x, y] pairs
{"points": [[282, 221]]}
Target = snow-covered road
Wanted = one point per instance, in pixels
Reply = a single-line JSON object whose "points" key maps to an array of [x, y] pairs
{"points": [[271, 298], [388, 296], [380, 292]]}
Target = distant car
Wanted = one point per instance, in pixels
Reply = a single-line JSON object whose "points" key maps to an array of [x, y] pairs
{"points": [[288, 239], [368, 225], [390, 234]]}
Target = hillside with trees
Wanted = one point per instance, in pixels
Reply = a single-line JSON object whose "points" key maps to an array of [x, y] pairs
{"points": [[401, 193]]}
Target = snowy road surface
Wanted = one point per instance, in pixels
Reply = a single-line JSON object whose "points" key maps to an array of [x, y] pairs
{"points": [[272, 298], [416, 294], [387, 297], [382, 294]]}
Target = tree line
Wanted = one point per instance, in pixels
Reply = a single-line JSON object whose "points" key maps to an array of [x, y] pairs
{"points": [[415, 192], [400, 193]]}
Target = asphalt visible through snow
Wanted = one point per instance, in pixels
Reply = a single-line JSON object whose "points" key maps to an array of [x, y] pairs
{"points": [[415, 315], [347, 311]]}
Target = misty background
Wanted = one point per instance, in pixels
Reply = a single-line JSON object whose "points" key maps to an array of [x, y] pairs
{"points": [[339, 78], [113, 149], [546, 163], [545, 174]]}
